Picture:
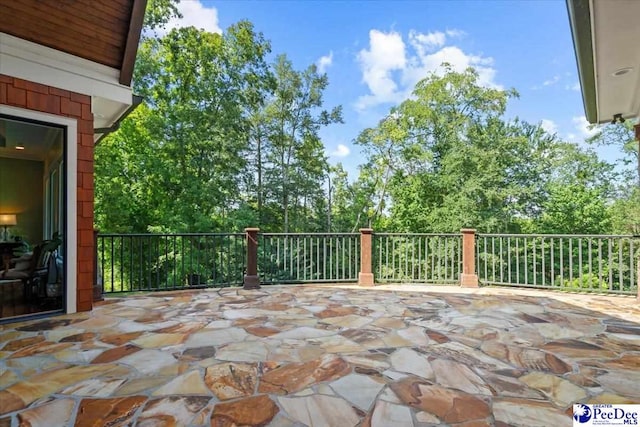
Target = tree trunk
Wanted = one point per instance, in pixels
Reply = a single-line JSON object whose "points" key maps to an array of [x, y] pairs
{"points": [[285, 203]]}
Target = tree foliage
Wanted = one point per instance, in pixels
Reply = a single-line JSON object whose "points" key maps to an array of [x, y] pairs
{"points": [[447, 159], [227, 139], [290, 164]]}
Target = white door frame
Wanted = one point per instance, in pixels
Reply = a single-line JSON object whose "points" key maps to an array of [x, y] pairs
{"points": [[71, 160]]}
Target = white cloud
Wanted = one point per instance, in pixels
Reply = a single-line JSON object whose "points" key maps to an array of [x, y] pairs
{"points": [[386, 53], [549, 82], [324, 62], [549, 126], [195, 14], [555, 79], [423, 65], [341, 151], [426, 42], [390, 70], [455, 33], [583, 127], [575, 87]]}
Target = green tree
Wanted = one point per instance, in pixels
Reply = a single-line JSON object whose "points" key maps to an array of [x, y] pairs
{"points": [[577, 193], [625, 212], [446, 159], [126, 178], [159, 12], [292, 164], [621, 135], [574, 209], [199, 88]]}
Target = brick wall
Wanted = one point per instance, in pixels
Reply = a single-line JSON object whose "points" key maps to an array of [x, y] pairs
{"points": [[37, 97]]}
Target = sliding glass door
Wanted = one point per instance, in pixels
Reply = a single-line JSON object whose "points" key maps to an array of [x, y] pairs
{"points": [[32, 197]]}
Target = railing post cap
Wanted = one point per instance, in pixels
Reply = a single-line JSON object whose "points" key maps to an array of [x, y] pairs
{"points": [[468, 230], [366, 230], [251, 229]]}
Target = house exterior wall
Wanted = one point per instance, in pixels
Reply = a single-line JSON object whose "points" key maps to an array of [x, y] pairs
{"points": [[47, 99]]}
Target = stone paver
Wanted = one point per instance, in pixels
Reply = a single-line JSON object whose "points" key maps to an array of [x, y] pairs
{"points": [[393, 355]]}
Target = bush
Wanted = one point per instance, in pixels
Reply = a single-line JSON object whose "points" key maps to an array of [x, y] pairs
{"points": [[587, 281]]}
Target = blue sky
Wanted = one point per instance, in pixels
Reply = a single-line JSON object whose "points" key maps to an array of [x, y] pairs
{"points": [[374, 51]]}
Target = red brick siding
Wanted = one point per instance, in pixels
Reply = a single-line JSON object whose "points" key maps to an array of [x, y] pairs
{"points": [[34, 96]]}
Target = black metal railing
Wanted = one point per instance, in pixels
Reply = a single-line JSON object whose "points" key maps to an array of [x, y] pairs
{"points": [[308, 257], [596, 263], [416, 257], [151, 262]]}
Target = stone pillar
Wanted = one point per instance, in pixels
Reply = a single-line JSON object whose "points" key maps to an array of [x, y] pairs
{"points": [[97, 281], [469, 278], [365, 277], [251, 278]]}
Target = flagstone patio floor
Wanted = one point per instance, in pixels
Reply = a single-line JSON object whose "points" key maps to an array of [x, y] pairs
{"points": [[387, 356]]}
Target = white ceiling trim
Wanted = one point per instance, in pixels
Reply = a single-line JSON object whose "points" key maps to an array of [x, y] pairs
{"points": [[595, 56], [40, 64]]}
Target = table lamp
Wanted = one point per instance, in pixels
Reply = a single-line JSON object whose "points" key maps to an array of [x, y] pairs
{"points": [[7, 220]]}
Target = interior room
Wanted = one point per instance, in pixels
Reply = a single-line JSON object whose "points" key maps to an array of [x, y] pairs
{"points": [[32, 217]]}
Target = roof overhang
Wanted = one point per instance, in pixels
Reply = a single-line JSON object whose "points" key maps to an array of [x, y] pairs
{"points": [[104, 32], [605, 37], [33, 62], [133, 39]]}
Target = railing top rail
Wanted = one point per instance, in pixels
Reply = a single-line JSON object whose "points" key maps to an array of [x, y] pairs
{"points": [[309, 234], [567, 236], [418, 234], [171, 234]]}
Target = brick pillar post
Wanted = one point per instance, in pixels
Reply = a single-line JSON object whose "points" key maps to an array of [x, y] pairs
{"points": [[365, 277], [97, 280], [638, 278], [251, 278], [469, 278]]}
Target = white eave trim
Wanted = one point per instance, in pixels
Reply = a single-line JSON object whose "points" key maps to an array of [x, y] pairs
{"points": [[595, 58], [30, 61]]}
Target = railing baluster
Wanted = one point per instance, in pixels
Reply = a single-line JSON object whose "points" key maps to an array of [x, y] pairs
{"points": [[544, 272], [570, 261], [526, 262], [610, 259], [533, 250], [580, 262], [589, 248], [561, 263], [493, 258], [553, 262], [620, 271], [509, 258], [517, 261], [631, 266]]}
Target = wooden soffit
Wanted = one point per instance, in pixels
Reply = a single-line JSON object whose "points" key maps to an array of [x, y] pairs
{"points": [[103, 31]]}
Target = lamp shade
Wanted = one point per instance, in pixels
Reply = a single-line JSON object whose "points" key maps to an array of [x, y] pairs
{"points": [[8, 219]]}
